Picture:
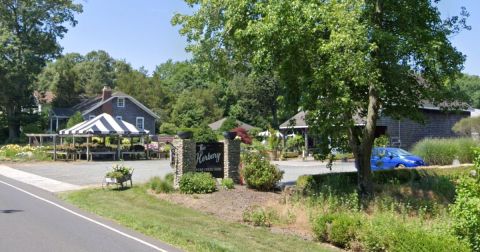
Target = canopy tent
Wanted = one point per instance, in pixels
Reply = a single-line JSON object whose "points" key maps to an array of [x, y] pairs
{"points": [[104, 124], [267, 134]]}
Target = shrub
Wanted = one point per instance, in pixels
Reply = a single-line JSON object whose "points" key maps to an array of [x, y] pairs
{"points": [[258, 173], [204, 134], [160, 186], [438, 151], [168, 128], [197, 182], [295, 143], [466, 210], [259, 216], [119, 172], [243, 134], [229, 124], [337, 228], [227, 183], [382, 141], [387, 233]]}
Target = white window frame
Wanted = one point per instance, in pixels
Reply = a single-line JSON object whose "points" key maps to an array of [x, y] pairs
{"points": [[143, 122], [121, 104], [90, 117], [119, 118]]}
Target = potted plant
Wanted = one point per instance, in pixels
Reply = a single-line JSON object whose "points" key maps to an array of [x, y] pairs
{"points": [[185, 134], [230, 135], [118, 175]]}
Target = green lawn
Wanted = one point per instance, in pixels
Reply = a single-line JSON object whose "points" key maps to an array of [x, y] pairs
{"points": [[182, 227]]}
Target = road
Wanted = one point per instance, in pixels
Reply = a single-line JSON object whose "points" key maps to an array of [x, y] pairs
{"points": [[35, 220]]}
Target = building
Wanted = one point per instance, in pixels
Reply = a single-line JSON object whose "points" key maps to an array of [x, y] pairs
{"points": [[216, 125], [403, 133], [119, 105]]}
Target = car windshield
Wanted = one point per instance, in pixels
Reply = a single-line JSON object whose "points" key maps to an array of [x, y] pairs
{"points": [[400, 152]]}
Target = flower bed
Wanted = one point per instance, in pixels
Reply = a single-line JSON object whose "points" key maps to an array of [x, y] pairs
{"points": [[14, 152]]}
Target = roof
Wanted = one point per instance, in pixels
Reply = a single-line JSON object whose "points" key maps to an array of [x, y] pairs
{"points": [[296, 122], [94, 104], [216, 125], [62, 112], [104, 124]]}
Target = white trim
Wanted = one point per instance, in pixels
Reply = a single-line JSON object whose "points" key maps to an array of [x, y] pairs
{"points": [[118, 102], [294, 127], [120, 118], [143, 122], [130, 98]]}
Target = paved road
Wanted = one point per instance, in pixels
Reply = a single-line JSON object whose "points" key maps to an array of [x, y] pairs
{"points": [[34, 220], [91, 173]]}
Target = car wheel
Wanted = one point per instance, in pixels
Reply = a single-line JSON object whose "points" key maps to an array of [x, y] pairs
{"points": [[400, 166]]}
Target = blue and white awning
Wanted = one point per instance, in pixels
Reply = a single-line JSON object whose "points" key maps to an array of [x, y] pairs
{"points": [[104, 124]]}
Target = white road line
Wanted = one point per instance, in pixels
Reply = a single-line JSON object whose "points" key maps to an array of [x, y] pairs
{"points": [[85, 217]]}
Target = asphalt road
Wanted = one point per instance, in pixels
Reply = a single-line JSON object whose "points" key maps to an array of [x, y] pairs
{"points": [[91, 173], [34, 220]]}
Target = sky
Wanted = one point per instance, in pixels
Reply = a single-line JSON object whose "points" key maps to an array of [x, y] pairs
{"points": [[140, 32]]}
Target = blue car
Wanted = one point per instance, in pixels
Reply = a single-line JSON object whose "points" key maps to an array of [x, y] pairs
{"points": [[390, 158]]}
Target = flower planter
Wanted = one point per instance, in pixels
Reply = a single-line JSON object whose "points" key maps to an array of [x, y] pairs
{"points": [[184, 134], [229, 135]]}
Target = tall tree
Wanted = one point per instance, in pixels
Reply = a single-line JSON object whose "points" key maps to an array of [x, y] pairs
{"points": [[337, 59], [28, 37], [470, 84]]}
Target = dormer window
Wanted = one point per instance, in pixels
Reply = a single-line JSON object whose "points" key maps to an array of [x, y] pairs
{"points": [[121, 102]]}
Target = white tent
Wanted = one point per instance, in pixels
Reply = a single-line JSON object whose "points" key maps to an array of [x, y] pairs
{"points": [[267, 134], [104, 124]]}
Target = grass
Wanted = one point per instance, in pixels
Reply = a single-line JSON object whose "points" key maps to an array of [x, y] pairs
{"points": [[442, 151], [182, 227]]}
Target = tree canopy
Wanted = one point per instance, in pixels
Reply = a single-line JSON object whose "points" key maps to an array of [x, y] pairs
{"points": [[335, 59], [28, 34]]}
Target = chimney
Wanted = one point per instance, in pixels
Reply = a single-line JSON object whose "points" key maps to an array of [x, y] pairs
{"points": [[107, 107], [106, 93]]}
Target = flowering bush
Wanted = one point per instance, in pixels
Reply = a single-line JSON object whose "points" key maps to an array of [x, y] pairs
{"points": [[16, 152]]}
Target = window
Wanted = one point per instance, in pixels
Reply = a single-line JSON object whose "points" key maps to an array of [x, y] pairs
{"points": [[90, 117], [119, 118], [139, 123], [120, 102]]}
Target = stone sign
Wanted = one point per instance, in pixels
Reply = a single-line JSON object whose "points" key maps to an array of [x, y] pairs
{"points": [[210, 158]]}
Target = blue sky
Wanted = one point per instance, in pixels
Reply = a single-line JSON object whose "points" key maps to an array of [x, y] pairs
{"points": [[140, 32]]}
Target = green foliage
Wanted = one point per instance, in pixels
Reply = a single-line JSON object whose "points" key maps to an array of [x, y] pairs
{"points": [[339, 228], [387, 233], [229, 124], [466, 210], [295, 143], [382, 141], [204, 134], [467, 125], [119, 172], [470, 84], [259, 216], [195, 107], [227, 183], [14, 152], [438, 151], [75, 119], [197, 182], [259, 173], [344, 52], [273, 140], [168, 128], [160, 185], [28, 34]]}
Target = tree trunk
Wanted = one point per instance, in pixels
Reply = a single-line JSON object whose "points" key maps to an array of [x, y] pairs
{"points": [[13, 123], [362, 147]]}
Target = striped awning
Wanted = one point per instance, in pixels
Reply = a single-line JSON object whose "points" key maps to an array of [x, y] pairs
{"points": [[104, 124]]}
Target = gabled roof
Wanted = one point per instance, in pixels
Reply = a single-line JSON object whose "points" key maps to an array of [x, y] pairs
{"points": [[97, 102], [104, 124], [296, 122], [216, 125], [62, 112]]}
